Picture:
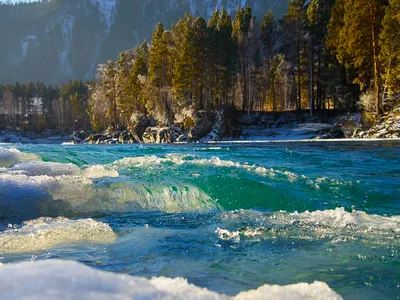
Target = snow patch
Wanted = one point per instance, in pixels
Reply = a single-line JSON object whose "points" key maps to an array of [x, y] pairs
{"points": [[67, 24], [25, 44], [107, 9], [71, 280]]}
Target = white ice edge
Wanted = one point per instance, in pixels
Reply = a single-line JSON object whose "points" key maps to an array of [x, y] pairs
{"points": [[57, 279], [266, 141]]}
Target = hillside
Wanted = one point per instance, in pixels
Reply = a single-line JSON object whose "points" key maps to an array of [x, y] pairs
{"points": [[66, 39]]}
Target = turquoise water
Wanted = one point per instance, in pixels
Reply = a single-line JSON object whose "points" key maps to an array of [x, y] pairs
{"points": [[226, 217]]}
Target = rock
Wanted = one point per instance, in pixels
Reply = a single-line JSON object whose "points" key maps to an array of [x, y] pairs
{"points": [[362, 134], [335, 132], [163, 135], [78, 137], [140, 127], [182, 138], [150, 135], [203, 124], [387, 126]]}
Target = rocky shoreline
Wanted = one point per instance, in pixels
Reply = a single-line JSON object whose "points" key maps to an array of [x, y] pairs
{"points": [[219, 126]]}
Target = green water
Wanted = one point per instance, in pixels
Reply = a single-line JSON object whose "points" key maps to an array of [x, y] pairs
{"points": [[227, 217]]}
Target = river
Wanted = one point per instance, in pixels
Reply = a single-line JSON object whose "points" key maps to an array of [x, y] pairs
{"points": [[226, 217]]}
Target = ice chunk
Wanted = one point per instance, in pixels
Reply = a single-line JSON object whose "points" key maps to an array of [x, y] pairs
{"points": [[11, 156], [45, 233]]}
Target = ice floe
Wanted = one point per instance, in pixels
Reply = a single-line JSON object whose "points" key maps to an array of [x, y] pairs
{"points": [[45, 233]]}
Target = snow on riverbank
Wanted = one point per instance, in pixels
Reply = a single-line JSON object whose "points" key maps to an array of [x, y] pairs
{"points": [[13, 137], [299, 132]]}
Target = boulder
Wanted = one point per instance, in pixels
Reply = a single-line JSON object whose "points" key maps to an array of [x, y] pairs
{"points": [[203, 124], [336, 132], [150, 135], [140, 127], [78, 137]]}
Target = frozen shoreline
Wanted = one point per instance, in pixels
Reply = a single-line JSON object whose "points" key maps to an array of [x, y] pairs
{"points": [[301, 133]]}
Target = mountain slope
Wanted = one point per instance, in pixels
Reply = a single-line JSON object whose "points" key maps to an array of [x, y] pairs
{"points": [[66, 39]]}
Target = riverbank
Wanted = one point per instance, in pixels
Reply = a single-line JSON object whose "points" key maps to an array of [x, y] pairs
{"points": [[208, 127]]}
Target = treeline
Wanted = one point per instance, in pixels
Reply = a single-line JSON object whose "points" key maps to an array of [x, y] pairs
{"points": [[35, 106], [322, 54]]}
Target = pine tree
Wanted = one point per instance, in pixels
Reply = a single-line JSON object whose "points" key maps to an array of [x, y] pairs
{"points": [[240, 32], [390, 53], [318, 15], [160, 75], [268, 40], [357, 41], [110, 95], [296, 15]]}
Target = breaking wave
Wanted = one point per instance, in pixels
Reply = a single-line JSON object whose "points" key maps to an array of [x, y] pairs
{"points": [[71, 280], [30, 188], [45, 233]]}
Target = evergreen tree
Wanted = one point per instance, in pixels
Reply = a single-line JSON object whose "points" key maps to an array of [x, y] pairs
{"points": [[268, 39], [110, 95], [160, 75], [390, 53], [240, 32], [296, 16], [357, 41]]}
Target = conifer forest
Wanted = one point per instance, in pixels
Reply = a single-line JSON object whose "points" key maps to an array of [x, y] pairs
{"points": [[320, 55]]}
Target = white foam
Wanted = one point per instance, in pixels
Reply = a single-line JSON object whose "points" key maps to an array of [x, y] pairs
{"points": [[70, 280], [38, 168], [45, 233], [178, 159], [339, 218], [325, 224], [98, 171]]}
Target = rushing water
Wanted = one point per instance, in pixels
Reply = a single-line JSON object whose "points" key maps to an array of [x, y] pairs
{"points": [[226, 217]]}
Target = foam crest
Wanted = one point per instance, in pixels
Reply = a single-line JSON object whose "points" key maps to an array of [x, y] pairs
{"points": [[70, 280], [98, 171], [339, 218], [178, 159], [336, 225], [38, 168], [45, 233], [11, 156]]}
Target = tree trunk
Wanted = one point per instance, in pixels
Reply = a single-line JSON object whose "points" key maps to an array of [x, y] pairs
{"points": [[372, 9], [311, 76], [298, 67]]}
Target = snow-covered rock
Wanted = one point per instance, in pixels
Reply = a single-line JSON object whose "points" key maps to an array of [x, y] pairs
{"points": [[387, 126]]}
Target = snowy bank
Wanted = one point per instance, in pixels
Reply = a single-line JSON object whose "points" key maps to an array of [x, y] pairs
{"points": [[56, 279]]}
